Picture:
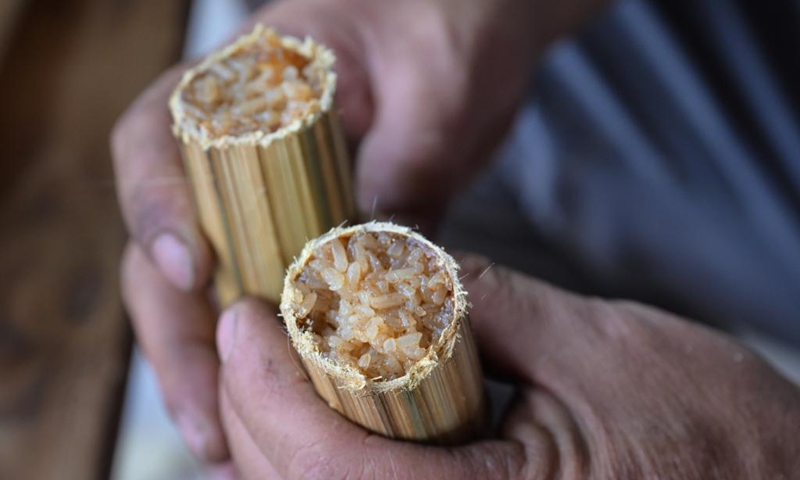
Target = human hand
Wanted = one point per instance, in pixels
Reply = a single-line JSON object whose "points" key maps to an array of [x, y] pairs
{"points": [[606, 390], [427, 87]]}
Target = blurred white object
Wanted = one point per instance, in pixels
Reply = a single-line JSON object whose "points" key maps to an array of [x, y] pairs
{"points": [[211, 23], [149, 447]]}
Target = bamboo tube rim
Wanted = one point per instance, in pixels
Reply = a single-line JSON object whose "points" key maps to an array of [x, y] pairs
{"points": [[347, 376], [320, 56]]}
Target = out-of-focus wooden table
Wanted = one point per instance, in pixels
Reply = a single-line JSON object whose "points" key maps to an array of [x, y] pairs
{"points": [[67, 70]]}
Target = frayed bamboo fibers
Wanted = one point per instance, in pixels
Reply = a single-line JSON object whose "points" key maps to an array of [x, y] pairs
{"points": [[264, 152], [376, 301]]}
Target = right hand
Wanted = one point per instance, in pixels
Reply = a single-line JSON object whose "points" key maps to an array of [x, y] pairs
{"points": [[605, 390], [426, 87]]}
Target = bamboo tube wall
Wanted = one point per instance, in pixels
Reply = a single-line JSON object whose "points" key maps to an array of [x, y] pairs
{"points": [[446, 407], [440, 398], [261, 195]]}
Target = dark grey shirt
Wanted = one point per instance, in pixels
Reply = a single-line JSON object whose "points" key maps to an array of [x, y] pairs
{"points": [[659, 159]]}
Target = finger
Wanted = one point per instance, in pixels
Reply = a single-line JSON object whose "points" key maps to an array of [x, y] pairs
{"points": [[248, 458], [340, 30], [535, 331], [426, 140], [223, 471], [538, 418], [153, 191], [405, 164], [176, 332], [302, 437]]}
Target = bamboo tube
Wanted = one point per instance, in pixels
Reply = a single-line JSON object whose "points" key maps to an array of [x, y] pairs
{"points": [[386, 340], [264, 153]]}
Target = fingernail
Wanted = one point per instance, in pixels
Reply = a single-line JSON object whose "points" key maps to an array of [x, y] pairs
{"points": [[174, 260], [196, 433], [226, 334]]}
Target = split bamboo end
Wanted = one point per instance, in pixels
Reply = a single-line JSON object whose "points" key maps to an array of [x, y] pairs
{"points": [[379, 318], [265, 155]]}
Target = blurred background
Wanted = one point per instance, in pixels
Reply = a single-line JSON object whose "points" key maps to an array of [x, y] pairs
{"points": [[648, 164]]}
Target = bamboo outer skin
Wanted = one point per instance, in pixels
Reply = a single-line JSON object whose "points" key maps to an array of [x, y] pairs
{"points": [[259, 197], [440, 400]]}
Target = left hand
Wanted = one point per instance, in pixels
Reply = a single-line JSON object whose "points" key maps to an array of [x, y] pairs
{"points": [[607, 390]]}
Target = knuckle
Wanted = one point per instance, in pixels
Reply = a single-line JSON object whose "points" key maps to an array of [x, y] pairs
{"points": [[649, 331], [140, 113], [317, 461], [253, 308], [750, 371], [314, 463], [120, 136], [485, 463], [624, 321], [156, 207], [149, 215]]}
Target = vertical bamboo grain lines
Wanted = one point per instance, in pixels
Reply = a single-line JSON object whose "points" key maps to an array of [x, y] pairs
{"points": [[261, 188], [332, 173], [446, 407], [259, 205], [200, 169], [313, 172]]}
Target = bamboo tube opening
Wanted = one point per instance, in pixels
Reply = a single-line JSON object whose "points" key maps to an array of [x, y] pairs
{"points": [[376, 305], [375, 301], [378, 316], [263, 149], [259, 86]]}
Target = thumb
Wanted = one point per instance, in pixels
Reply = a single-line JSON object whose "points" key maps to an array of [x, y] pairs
{"points": [[535, 331], [439, 111], [407, 162], [301, 437]]}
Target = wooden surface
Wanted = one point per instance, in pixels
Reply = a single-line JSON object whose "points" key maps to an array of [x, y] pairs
{"points": [[69, 69], [9, 14]]}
